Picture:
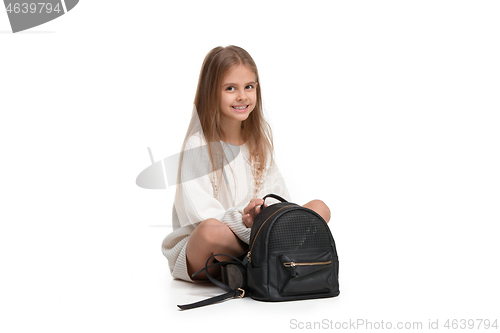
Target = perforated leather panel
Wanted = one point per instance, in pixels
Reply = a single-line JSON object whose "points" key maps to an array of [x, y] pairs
{"points": [[298, 230]]}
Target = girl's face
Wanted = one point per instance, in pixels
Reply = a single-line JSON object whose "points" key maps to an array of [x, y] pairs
{"points": [[238, 94]]}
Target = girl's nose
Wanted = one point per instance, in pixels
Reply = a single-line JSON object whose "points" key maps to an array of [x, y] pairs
{"points": [[242, 96]]}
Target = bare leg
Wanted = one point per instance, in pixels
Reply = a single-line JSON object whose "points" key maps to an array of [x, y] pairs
{"points": [[319, 207], [211, 237]]}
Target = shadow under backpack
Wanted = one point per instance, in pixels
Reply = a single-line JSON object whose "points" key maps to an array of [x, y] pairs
{"points": [[291, 256]]}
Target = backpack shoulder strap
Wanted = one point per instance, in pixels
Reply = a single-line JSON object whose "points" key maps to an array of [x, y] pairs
{"points": [[230, 293]]}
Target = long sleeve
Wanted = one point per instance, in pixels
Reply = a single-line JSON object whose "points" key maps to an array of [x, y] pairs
{"points": [[195, 202]]}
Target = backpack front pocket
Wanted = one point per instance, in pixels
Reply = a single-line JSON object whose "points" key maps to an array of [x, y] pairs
{"points": [[305, 273]]}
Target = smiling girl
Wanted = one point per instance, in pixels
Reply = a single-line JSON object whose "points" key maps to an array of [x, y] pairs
{"points": [[214, 213]]}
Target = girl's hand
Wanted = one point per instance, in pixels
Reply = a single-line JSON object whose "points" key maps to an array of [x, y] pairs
{"points": [[251, 211]]}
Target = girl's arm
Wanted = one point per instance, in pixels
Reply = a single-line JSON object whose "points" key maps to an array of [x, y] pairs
{"points": [[194, 199]]}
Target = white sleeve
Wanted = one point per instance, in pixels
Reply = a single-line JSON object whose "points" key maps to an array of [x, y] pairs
{"points": [[274, 183], [195, 200]]}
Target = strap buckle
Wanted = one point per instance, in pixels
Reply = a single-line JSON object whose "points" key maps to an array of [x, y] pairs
{"points": [[242, 293]]}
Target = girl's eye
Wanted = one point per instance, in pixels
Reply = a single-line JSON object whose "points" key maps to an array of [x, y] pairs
{"points": [[231, 88]]}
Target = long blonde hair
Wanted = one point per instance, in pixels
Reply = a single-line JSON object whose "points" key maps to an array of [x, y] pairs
{"points": [[256, 132]]}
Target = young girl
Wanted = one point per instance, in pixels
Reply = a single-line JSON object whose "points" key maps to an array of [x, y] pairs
{"points": [[214, 213]]}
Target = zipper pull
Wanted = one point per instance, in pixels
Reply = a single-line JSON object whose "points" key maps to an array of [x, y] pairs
{"points": [[248, 256], [293, 270]]}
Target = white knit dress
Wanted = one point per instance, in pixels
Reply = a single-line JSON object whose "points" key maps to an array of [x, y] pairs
{"points": [[195, 202]]}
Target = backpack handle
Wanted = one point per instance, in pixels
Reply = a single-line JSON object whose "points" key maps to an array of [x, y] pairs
{"points": [[272, 196]]}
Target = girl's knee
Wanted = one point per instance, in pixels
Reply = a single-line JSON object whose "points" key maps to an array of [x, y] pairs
{"points": [[321, 208], [213, 231], [210, 223]]}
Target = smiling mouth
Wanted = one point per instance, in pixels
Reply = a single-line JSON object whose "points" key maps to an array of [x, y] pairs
{"points": [[240, 107]]}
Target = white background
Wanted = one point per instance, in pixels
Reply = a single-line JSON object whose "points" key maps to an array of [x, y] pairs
{"points": [[388, 111]]}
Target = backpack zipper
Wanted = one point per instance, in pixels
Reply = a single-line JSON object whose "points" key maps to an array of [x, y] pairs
{"points": [[293, 263], [251, 246]]}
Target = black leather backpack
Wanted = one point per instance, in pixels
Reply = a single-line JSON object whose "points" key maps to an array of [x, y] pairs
{"points": [[291, 256]]}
